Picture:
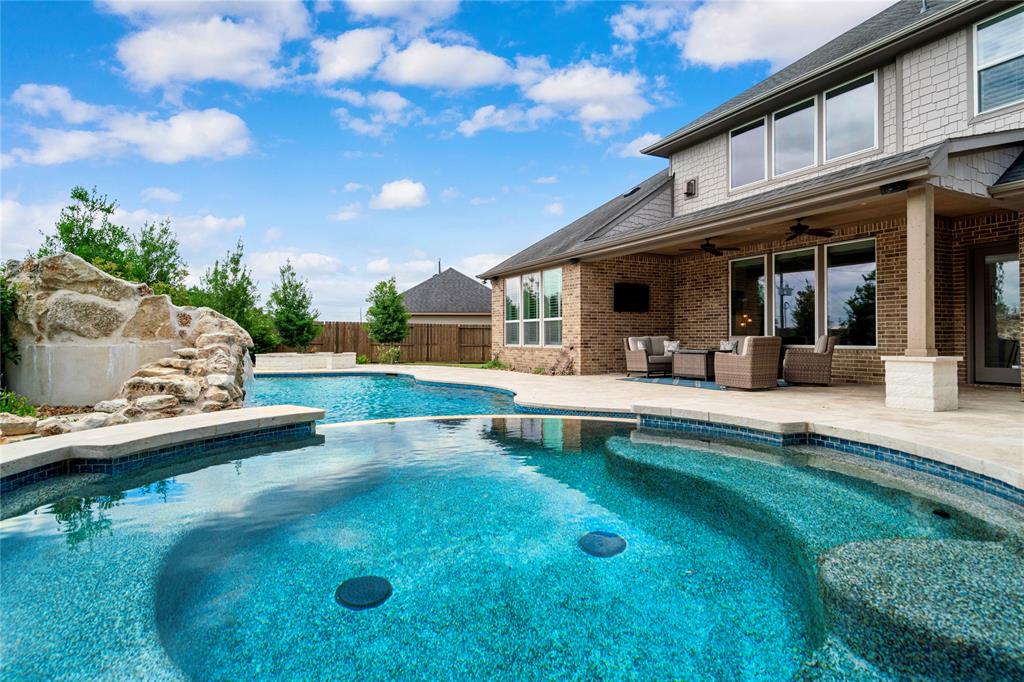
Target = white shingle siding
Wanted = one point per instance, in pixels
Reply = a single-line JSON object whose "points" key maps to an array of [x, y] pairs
{"points": [[655, 210], [975, 173], [926, 98]]}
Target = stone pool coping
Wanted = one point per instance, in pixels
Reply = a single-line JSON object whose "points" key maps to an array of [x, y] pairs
{"points": [[988, 432], [105, 449]]}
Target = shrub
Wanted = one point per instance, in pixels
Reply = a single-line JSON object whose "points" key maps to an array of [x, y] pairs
{"points": [[389, 355], [539, 370], [362, 360], [13, 403], [8, 310], [494, 363]]}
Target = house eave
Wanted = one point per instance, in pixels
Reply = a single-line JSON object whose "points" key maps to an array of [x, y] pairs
{"points": [[889, 46]]}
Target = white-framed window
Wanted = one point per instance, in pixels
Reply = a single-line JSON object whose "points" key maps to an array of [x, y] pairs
{"points": [[795, 137], [850, 293], [747, 290], [513, 306], [748, 149], [794, 296], [851, 117], [533, 309], [999, 60]]}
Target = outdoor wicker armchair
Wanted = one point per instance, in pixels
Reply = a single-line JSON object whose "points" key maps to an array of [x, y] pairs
{"points": [[757, 366]]}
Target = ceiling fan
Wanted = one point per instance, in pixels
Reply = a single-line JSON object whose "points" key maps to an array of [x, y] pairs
{"points": [[800, 230], [708, 247]]}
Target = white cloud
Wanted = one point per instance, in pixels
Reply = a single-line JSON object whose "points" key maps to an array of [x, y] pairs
{"points": [[482, 262], [350, 55], [387, 109], [163, 194], [266, 264], [482, 201], [453, 67], [272, 234], [721, 34], [403, 193], [449, 193], [546, 180], [406, 273], [646, 21], [20, 225], [345, 213], [356, 187], [511, 119], [185, 42], [632, 148], [599, 98], [412, 15], [43, 100], [554, 208], [207, 133]]}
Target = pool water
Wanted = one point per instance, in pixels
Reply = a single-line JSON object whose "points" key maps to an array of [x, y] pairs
{"points": [[229, 572], [374, 396]]}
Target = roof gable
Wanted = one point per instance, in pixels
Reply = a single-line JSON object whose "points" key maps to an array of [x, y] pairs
{"points": [[448, 292]]}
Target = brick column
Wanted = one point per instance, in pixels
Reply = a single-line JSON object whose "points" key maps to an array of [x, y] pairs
{"points": [[921, 271]]}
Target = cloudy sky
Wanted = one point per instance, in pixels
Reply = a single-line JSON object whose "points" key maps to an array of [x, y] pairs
{"points": [[365, 139]]}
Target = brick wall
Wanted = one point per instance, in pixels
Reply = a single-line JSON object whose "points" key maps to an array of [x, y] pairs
{"points": [[602, 328]]}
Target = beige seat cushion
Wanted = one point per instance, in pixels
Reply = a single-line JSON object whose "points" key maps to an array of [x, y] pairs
{"points": [[659, 359]]}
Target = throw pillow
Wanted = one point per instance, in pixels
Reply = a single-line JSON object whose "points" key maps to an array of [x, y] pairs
{"points": [[671, 347], [728, 346], [641, 345]]}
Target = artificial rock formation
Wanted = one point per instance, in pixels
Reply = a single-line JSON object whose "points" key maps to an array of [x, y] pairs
{"points": [[69, 305]]}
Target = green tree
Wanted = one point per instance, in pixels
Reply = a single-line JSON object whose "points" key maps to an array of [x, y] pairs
{"points": [[804, 314], [8, 311], [387, 320], [85, 229], [228, 288], [291, 305], [860, 313]]}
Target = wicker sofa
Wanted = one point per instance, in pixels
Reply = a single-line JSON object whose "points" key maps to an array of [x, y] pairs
{"points": [[646, 355], [755, 365], [810, 365]]}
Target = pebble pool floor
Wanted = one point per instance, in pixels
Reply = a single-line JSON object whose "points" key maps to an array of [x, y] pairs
{"points": [[229, 572], [358, 397]]}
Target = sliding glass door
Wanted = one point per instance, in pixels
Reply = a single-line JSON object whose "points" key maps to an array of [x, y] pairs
{"points": [[996, 351]]}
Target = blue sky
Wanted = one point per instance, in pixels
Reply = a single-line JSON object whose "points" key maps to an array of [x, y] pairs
{"points": [[366, 139]]}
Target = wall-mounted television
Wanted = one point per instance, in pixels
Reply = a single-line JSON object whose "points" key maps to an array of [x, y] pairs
{"points": [[631, 298]]}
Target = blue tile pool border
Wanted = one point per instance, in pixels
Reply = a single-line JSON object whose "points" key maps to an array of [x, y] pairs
{"points": [[143, 458], [949, 472]]}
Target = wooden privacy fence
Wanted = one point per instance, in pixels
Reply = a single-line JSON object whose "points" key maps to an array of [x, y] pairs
{"points": [[425, 343]]}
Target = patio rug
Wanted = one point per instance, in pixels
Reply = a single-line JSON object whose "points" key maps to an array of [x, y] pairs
{"points": [[691, 383]]}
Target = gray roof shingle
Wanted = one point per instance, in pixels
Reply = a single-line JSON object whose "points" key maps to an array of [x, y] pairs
{"points": [[448, 292], [886, 23], [1015, 173], [577, 232]]}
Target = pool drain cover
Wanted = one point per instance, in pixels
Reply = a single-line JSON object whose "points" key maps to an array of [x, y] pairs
{"points": [[364, 592], [602, 544]]}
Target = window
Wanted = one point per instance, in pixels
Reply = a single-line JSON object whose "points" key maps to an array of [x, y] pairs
{"points": [[851, 111], [746, 154], [552, 307], [850, 286], [793, 297], [533, 309], [999, 60], [793, 138], [513, 304], [746, 297]]}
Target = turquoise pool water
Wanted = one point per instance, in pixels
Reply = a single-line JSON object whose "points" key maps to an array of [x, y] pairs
{"points": [[358, 397], [226, 569]]}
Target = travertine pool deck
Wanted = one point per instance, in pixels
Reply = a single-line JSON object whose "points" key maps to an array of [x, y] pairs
{"points": [[986, 435]]}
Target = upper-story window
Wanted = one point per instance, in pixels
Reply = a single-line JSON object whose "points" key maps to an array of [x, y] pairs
{"points": [[793, 138], [999, 60], [851, 118], [747, 154]]}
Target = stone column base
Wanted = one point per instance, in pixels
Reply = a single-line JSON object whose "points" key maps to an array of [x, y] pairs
{"points": [[921, 383]]}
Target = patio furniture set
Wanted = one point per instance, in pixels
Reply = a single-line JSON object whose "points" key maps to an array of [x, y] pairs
{"points": [[746, 362]]}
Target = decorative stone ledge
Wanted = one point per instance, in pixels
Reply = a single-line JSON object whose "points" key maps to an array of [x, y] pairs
{"points": [[304, 361], [926, 383], [105, 450]]}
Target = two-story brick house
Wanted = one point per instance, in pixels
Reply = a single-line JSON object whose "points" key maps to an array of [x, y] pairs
{"points": [[900, 144]]}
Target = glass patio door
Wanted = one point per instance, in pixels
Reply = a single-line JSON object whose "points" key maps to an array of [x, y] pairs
{"points": [[997, 315]]}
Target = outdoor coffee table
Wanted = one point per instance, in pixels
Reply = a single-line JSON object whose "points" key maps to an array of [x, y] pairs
{"points": [[694, 364]]}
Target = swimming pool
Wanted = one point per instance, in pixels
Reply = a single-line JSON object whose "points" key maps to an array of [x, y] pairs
{"points": [[355, 397], [227, 569]]}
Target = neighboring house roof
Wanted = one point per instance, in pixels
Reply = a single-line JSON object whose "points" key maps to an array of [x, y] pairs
{"points": [[449, 292], [577, 232], [873, 34], [917, 164], [1015, 173]]}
